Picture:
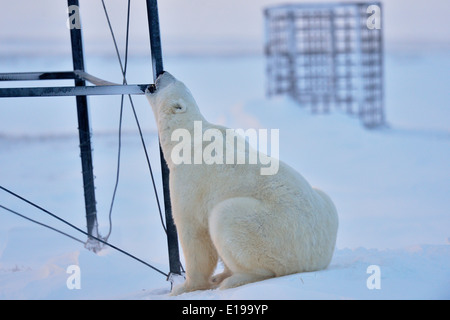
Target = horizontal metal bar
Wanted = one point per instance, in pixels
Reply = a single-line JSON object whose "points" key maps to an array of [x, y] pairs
{"points": [[24, 76], [72, 91]]}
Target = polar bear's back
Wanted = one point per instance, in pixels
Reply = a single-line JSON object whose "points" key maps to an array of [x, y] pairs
{"points": [[294, 224], [304, 217]]}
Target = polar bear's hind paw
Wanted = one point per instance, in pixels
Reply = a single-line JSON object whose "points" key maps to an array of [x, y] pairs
{"points": [[239, 279]]}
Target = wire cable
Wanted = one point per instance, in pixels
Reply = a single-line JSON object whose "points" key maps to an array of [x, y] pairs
{"points": [[117, 171], [124, 72], [123, 68], [41, 224], [81, 231]]}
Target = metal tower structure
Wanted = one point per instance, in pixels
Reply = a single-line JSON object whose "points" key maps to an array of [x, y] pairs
{"points": [[100, 87], [327, 56]]}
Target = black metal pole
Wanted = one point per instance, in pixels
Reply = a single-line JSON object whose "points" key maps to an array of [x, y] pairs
{"points": [[155, 38], [157, 63], [83, 124]]}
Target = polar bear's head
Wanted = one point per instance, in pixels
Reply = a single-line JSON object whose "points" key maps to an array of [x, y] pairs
{"points": [[171, 100]]}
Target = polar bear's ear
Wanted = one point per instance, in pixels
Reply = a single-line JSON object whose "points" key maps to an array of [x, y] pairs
{"points": [[179, 107]]}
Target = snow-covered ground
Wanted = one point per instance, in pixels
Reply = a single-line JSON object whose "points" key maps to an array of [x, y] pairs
{"points": [[391, 186]]}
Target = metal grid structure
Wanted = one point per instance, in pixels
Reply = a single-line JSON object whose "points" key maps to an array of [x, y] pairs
{"points": [[324, 56], [100, 87]]}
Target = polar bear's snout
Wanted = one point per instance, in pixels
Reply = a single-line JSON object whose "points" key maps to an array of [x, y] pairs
{"points": [[151, 89], [163, 80]]}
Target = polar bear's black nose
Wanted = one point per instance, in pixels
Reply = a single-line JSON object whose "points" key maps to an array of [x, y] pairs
{"points": [[151, 88]]}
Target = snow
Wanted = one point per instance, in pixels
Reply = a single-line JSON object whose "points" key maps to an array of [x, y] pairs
{"points": [[390, 186]]}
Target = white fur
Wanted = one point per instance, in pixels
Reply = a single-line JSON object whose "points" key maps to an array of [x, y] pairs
{"points": [[260, 226]]}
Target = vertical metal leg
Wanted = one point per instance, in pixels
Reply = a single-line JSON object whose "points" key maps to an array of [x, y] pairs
{"points": [[157, 62], [84, 131]]}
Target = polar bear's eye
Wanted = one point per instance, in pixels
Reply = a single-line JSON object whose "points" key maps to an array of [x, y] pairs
{"points": [[178, 107]]}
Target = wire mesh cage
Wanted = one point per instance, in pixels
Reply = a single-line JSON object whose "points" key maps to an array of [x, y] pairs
{"points": [[327, 56]]}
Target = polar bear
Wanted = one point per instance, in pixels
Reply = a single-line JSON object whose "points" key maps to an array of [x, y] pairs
{"points": [[259, 226]]}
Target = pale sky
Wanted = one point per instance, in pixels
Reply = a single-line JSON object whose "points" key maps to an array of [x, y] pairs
{"points": [[193, 26]]}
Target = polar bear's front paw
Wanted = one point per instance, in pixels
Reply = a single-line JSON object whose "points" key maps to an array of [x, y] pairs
{"points": [[179, 289]]}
